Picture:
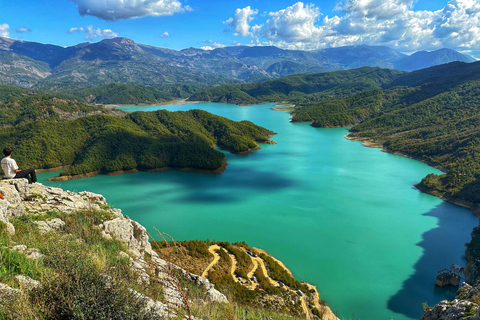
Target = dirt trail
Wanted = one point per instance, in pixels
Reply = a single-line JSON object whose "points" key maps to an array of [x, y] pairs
{"points": [[255, 266], [258, 262], [234, 265], [260, 251], [216, 257], [328, 314]]}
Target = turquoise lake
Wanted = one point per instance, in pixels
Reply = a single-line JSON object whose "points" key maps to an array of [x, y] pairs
{"points": [[341, 216]]}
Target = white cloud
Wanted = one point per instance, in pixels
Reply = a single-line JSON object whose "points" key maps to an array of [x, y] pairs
{"points": [[23, 30], [113, 10], [164, 35], [4, 30], [393, 23], [212, 45], [294, 23], [91, 32], [240, 21]]}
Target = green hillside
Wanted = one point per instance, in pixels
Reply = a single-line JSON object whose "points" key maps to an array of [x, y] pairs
{"points": [[301, 88], [47, 132], [117, 93]]}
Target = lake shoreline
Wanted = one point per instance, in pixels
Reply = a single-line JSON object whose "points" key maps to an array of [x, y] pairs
{"points": [[220, 170], [178, 102], [474, 208]]}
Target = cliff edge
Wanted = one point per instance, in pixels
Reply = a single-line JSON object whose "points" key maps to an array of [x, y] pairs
{"points": [[65, 254]]}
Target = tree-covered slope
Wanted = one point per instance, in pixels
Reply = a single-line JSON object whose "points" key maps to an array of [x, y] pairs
{"points": [[47, 132], [432, 114], [116, 93], [301, 88]]}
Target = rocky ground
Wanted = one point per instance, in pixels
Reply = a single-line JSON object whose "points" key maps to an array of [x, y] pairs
{"points": [[465, 306]]}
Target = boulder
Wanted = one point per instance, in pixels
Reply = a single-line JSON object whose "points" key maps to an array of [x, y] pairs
{"points": [[130, 232], [31, 253], [46, 226], [26, 283], [15, 205]]}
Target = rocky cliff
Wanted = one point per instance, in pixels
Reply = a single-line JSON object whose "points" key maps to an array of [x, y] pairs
{"points": [[465, 306], [43, 229], [23, 199]]}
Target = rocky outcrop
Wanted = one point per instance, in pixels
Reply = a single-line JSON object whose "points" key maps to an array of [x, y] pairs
{"points": [[22, 198], [26, 283], [464, 307], [51, 225]]}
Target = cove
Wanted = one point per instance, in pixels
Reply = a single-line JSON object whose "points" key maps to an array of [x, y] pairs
{"points": [[341, 216]]}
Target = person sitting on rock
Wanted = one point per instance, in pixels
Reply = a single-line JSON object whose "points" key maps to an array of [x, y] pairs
{"points": [[11, 170]]}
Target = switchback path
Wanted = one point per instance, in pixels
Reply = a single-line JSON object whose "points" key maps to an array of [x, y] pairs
{"points": [[216, 257]]}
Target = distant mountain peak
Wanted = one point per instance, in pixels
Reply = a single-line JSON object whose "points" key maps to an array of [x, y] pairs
{"points": [[120, 40]]}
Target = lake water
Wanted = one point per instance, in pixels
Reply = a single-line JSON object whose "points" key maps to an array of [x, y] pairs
{"points": [[341, 216]]}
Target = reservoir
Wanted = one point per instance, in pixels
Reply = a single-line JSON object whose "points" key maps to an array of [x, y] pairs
{"points": [[344, 217]]}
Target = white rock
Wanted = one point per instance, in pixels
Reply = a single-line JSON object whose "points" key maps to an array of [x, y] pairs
{"points": [[8, 293], [26, 282], [50, 225]]}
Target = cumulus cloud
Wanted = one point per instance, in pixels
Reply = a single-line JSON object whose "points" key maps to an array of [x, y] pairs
{"points": [[23, 30], [240, 21], [92, 33], [4, 30], [394, 23], [113, 10], [164, 35], [294, 23]]}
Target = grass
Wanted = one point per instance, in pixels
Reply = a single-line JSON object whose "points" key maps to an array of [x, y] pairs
{"points": [[75, 271]]}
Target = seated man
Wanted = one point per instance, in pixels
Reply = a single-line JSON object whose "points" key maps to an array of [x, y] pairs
{"points": [[11, 170]]}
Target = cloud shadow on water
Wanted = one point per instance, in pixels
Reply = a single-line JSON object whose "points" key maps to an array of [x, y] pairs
{"points": [[440, 249], [233, 187]]}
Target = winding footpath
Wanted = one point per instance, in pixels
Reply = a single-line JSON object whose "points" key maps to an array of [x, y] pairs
{"points": [[216, 257], [258, 262]]}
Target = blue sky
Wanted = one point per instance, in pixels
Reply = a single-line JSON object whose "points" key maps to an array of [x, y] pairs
{"points": [[406, 25]]}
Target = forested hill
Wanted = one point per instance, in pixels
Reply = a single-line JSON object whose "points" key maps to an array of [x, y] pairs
{"points": [[48, 132], [301, 88], [432, 114]]}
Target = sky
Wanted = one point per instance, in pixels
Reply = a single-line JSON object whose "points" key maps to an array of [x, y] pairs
{"points": [[404, 25]]}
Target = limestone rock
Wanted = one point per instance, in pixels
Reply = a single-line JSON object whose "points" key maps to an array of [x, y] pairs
{"points": [[34, 254], [26, 282], [130, 232], [54, 224], [454, 310], [3, 211], [31, 253], [138, 268], [19, 184], [20, 248], [15, 205], [7, 293], [10, 229], [160, 309], [212, 293]]}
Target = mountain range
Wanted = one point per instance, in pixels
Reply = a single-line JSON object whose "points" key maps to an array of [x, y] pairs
{"points": [[121, 60]]}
